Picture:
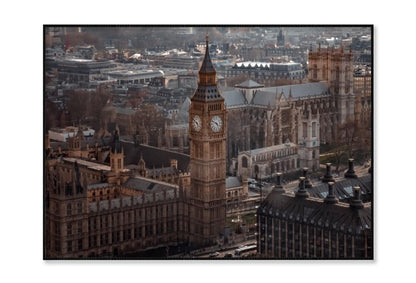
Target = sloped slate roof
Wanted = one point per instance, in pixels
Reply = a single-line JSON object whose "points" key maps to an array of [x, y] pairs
{"points": [[146, 185], [268, 95], [153, 156], [234, 98], [249, 84], [314, 211], [344, 189], [232, 182]]}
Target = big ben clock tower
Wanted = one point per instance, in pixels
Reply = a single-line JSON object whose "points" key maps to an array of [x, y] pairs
{"points": [[207, 134]]}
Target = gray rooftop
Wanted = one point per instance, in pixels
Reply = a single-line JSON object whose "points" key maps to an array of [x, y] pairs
{"points": [[234, 98], [232, 182], [249, 84], [147, 185]]}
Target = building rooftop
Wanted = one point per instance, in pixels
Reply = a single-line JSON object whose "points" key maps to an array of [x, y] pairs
{"points": [[343, 189], [234, 98], [269, 149], [232, 182], [148, 185], [91, 165], [249, 84], [314, 211], [153, 156], [267, 96]]}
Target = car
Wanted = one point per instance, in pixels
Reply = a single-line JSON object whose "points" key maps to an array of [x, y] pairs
{"points": [[214, 254], [228, 255]]}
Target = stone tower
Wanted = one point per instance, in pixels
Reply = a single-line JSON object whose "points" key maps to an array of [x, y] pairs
{"points": [[118, 174], [207, 135], [66, 209], [335, 66]]}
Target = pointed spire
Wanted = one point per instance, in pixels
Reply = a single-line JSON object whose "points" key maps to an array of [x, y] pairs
{"points": [[207, 66], [290, 93], [116, 148]]}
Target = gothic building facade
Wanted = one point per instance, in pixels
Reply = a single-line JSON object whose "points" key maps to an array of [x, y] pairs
{"points": [[306, 115], [105, 209]]}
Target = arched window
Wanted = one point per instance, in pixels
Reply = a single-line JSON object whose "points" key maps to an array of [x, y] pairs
{"points": [[315, 72], [244, 162]]}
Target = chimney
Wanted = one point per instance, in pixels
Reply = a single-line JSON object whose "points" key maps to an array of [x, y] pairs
{"points": [[308, 183], [331, 198], [302, 193], [328, 176], [350, 173], [278, 187], [356, 202]]}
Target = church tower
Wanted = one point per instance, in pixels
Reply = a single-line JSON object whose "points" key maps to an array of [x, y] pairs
{"points": [[335, 66], [207, 135]]}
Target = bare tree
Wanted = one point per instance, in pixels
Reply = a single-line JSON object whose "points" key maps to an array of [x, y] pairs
{"points": [[349, 138]]}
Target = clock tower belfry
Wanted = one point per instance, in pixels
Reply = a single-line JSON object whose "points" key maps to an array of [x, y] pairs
{"points": [[207, 135]]}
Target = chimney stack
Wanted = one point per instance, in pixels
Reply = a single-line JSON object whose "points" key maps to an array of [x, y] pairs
{"points": [[302, 193], [328, 176], [278, 187], [356, 202], [350, 173], [308, 183], [331, 198]]}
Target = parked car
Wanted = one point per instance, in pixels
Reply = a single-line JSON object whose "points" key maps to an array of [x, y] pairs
{"points": [[214, 254]]}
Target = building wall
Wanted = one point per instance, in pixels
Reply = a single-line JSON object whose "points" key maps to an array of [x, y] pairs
{"points": [[286, 239], [108, 219]]}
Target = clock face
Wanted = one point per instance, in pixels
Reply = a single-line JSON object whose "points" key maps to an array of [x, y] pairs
{"points": [[216, 123], [196, 123]]}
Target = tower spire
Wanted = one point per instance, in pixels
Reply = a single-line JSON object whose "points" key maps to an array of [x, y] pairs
{"points": [[207, 66], [207, 85]]}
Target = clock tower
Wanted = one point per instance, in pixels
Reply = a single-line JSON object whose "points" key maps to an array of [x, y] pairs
{"points": [[207, 135]]}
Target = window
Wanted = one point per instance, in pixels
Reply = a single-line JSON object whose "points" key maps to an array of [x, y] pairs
{"points": [[305, 130], [68, 210], [57, 229], [314, 129], [69, 246], [315, 72], [79, 227], [79, 207], [244, 162], [69, 229]]}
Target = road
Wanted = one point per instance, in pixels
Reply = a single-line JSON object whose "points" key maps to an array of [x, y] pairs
{"points": [[230, 249]]}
